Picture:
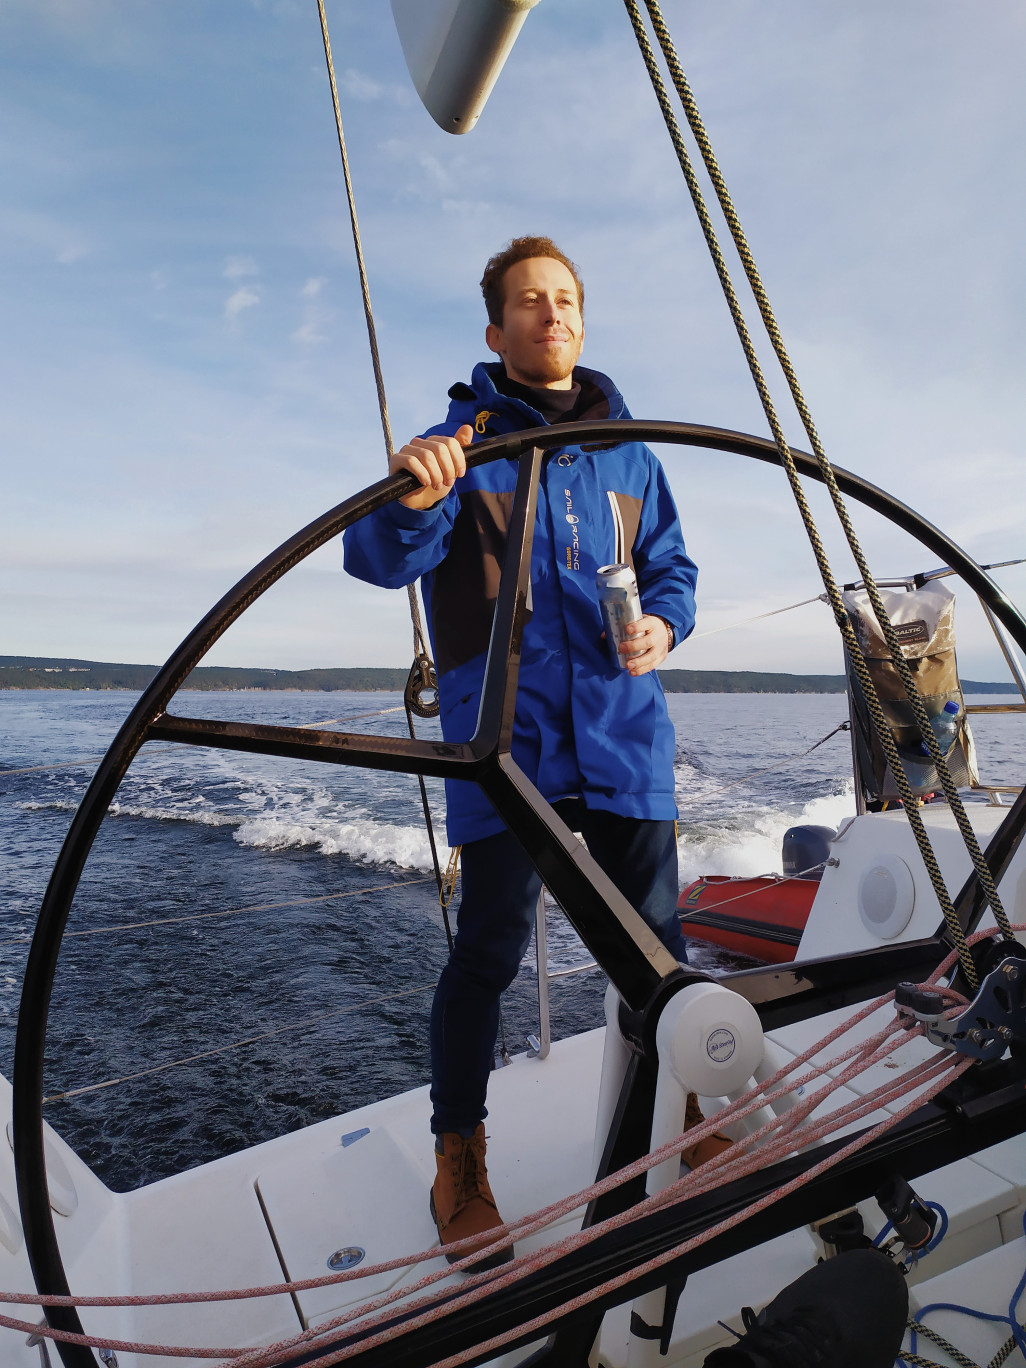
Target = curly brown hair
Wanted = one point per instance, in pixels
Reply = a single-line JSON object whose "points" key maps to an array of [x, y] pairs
{"points": [[520, 249]]}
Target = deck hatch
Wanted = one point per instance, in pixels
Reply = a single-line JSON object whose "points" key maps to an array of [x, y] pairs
{"points": [[370, 1196]]}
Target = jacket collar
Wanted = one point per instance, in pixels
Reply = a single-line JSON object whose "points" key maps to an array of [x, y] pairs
{"points": [[608, 402]]}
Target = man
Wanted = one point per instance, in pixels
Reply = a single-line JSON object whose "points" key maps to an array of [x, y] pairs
{"points": [[595, 738]]}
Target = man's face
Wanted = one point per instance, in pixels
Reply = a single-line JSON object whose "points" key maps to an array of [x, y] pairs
{"points": [[542, 330]]}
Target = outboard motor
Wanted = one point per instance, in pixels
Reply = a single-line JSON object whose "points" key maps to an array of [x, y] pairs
{"points": [[806, 848]]}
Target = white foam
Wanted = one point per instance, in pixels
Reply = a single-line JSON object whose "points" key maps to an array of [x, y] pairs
{"points": [[367, 840], [201, 816], [751, 843]]}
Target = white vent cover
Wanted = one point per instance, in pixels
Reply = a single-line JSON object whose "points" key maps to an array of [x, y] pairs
{"points": [[887, 897]]}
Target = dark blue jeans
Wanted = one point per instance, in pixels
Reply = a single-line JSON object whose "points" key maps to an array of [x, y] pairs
{"points": [[494, 925]]}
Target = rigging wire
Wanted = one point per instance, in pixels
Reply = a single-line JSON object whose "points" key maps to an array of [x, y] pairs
{"points": [[822, 598], [779, 881], [73, 764], [352, 717], [368, 311], [118, 927], [901, 665], [777, 764], [61, 764], [818, 598], [422, 665], [833, 591], [237, 1044]]}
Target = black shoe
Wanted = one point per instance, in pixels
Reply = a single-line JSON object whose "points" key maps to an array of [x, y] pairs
{"points": [[848, 1312]]}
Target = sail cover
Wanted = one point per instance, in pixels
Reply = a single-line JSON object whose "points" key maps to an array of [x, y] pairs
{"points": [[454, 50], [924, 621]]}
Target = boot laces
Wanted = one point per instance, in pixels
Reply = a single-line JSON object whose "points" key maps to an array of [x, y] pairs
{"points": [[802, 1341], [469, 1173]]}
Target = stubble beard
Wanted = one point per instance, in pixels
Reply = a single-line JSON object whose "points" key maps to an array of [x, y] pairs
{"points": [[548, 370]]}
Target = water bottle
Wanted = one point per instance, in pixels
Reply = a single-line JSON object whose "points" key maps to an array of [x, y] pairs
{"points": [[946, 729]]}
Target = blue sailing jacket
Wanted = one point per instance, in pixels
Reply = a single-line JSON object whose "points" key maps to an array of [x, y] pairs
{"points": [[583, 726]]}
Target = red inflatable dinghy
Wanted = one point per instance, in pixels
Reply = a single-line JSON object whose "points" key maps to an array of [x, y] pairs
{"points": [[762, 917]]}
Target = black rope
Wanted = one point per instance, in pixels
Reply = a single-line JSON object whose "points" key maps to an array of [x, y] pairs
{"points": [[901, 665], [787, 461], [950, 1349]]}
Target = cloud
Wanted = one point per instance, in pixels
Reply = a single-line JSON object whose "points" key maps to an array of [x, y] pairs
{"points": [[314, 314], [245, 297], [362, 87], [463, 207], [237, 267], [43, 231], [309, 332], [439, 175]]}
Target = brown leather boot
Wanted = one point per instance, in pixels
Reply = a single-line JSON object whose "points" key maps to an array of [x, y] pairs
{"points": [[706, 1149], [461, 1200]]}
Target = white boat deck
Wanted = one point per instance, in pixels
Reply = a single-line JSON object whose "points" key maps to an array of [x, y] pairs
{"points": [[285, 1206]]}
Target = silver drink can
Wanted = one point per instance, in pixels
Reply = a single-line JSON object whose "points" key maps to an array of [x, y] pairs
{"points": [[618, 595]]}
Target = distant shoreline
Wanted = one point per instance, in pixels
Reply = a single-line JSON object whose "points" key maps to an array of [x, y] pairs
{"points": [[22, 673]]}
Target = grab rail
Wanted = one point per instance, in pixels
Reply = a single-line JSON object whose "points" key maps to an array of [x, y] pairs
{"points": [[539, 1045]]}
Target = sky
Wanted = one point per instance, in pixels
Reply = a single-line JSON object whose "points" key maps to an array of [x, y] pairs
{"points": [[184, 379]]}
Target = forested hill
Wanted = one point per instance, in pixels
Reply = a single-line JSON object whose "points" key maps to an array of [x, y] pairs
{"points": [[31, 672], [41, 672]]}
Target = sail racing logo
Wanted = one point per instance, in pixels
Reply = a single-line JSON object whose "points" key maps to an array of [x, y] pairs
{"points": [[573, 551], [720, 1045]]}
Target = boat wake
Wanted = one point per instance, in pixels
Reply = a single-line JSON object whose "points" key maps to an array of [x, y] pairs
{"points": [[732, 835], [748, 842], [365, 839]]}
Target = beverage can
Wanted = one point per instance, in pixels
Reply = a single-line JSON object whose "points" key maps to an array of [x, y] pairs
{"points": [[618, 596]]}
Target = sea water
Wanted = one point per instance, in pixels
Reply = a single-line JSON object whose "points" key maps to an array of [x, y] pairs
{"points": [[275, 923]]}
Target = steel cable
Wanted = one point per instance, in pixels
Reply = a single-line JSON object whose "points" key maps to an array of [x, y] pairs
{"points": [[368, 312], [237, 1044], [119, 927], [777, 764], [420, 649]]}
